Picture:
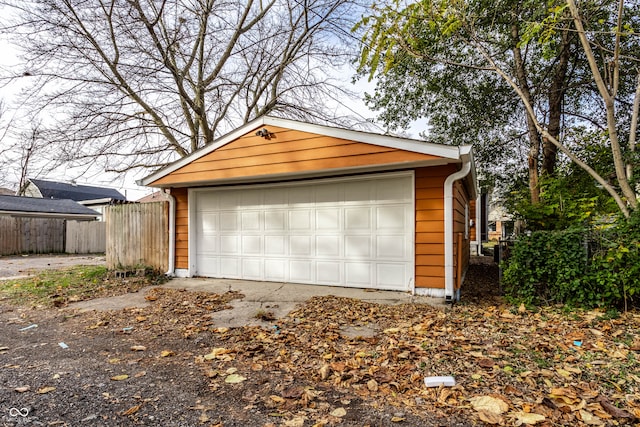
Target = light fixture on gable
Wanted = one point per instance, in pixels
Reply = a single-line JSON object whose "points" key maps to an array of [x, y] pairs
{"points": [[264, 132]]}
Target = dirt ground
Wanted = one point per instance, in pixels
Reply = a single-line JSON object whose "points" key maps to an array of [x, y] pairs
{"points": [[169, 364], [26, 265], [150, 366]]}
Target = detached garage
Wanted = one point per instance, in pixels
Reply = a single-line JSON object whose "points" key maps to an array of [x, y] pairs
{"points": [[286, 201]]}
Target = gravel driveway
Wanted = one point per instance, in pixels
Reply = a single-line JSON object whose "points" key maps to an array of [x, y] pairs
{"points": [[26, 265]]}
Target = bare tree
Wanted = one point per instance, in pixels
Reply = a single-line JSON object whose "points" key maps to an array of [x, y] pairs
{"points": [[26, 155], [138, 83]]}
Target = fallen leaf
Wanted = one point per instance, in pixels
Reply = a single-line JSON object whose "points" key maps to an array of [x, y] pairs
{"points": [[490, 418], [138, 348], [397, 419], [131, 410], [140, 374], [234, 379], [590, 419], [22, 389], [216, 352], [277, 399], [372, 385], [528, 418], [324, 371], [613, 410], [339, 412], [489, 404], [167, 353], [44, 390], [295, 422], [120, 377]]}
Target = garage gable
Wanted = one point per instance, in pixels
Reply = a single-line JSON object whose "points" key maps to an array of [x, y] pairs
{"points": [[266, 149]]}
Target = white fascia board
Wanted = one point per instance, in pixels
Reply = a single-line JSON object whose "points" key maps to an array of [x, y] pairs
{"points": [[451, 152]]}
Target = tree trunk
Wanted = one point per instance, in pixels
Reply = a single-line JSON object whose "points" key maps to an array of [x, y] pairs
{"points": [[556, 98], [534, 136]]}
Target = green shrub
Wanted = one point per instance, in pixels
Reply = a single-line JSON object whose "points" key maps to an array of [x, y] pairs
{"points": [[547, 267], [577, 267], [615, 265]]}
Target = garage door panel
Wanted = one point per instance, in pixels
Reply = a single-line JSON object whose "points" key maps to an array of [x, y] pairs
{"points": [[275, 245], [230, 267], [327, 194], [275, 270], [230, 245], [328, 272], [328, 246], [391, 218], [252, 269], [300, 246], [328, 219], [275, 221], [251, 199], [251, 245], [392, 190], [389, 276], [347, 233], [359, 273], [208, 266], [230, 221], [209, 222], [357, 218], [251, 220], [301, 219], [357, 192], [301, 271], [391, 247], [300, 196], [358, 247]]}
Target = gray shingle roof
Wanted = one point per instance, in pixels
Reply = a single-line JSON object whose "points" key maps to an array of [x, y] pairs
{"points": [[45, 206], [61, 190]]}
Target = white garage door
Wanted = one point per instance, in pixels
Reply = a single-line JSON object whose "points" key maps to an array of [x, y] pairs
{"points": [[352, 232]]}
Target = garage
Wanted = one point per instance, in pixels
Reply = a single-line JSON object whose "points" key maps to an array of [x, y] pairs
{"points": [[288, 201], [355, 231]]}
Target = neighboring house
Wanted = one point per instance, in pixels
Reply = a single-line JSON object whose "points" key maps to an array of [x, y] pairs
{"points": [[93, 197], [45, 208], [500, 222], [286, 201]]}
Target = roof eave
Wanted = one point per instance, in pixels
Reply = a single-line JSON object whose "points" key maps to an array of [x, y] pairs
{"points": [[50, 214], [444, 151]]}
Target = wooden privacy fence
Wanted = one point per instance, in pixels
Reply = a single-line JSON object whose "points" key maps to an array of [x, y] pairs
{"points": [[86, 237], [25, 235], [138, 235]]}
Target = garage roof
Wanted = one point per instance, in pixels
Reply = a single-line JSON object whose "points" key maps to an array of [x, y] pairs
{"points": [[35, 206]]}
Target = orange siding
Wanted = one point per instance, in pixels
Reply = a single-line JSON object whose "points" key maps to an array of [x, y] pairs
{"points": [[182, 227], [287, 151], [460, 199], [430, 225]]}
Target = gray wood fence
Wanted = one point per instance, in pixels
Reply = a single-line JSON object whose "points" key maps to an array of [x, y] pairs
{"points": [[24, 235], [31, 235], [138, 235], [86, 237]]}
